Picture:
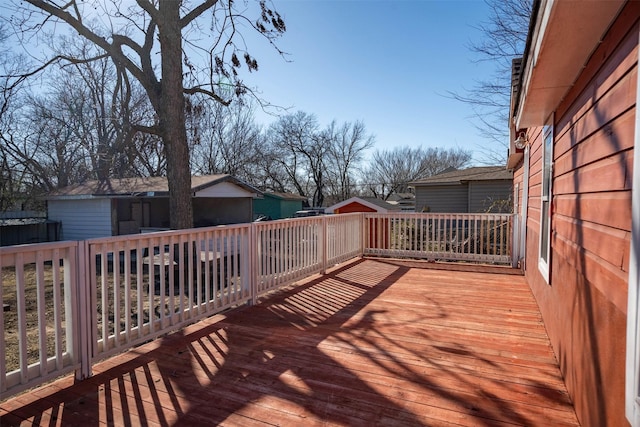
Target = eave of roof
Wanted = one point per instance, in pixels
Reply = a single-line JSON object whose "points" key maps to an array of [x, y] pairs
{"points": [[140, 187], [286, 196], [457, 177], [562, 38]]}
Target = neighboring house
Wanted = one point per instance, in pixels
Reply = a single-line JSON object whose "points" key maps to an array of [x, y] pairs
{"points": [[406, 201], [131, 205], [576, 177], [362, 204], [478, 189], [278, 205]]}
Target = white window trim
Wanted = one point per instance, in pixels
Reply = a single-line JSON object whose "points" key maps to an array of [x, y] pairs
{"points": [[543, 265], [525, 208], [632, 380]]}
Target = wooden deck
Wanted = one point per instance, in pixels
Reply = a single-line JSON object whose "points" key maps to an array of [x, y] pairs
{"points": [[374, 342]]}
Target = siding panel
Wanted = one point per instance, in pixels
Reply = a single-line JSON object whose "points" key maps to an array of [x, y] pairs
{"points": [[489, 196], [442, 199], [82, 219]]}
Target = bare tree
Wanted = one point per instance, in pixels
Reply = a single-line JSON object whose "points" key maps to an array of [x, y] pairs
{"points": [[292, 141], [226, 139], [348, 144], [131, 35], [76, 128], [391, 171], [504, 39]]}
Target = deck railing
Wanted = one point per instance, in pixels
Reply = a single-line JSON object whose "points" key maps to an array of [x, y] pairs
{"points": [[40, 317], [450, 237], [69, 304]]}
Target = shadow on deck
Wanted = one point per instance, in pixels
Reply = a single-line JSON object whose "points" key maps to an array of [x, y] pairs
{"points": [[374, 342]]}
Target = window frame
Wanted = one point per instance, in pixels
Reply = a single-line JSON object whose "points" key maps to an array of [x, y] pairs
{"points": [[632, 371], [546, 199]]}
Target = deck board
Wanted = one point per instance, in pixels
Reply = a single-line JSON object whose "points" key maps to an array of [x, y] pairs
{"points": [[374, 342]]}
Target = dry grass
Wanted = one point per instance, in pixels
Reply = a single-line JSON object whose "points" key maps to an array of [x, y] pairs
{"points": [[127, 312], [11, 325]]}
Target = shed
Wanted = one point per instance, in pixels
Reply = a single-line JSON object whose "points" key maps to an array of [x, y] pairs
{"points": [[133, 205], [577, 196], [472, 190], [362, 204], [278, 205], [19, 231]]}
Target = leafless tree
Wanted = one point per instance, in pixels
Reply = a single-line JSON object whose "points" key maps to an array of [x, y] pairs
{"points": [[391, 171], [348, 144], [504, 36], [292, 145], [321, 164], [172, 48], [226, 139], [75, 128]]}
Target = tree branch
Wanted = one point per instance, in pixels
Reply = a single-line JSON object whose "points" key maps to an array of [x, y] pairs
{"points": [[195, 90], [195, 13]]}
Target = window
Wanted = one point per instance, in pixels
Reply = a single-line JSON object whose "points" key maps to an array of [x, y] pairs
{"points": [[545, 203], [632, 386]]}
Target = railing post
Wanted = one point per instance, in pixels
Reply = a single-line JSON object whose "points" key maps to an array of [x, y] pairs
{"points": [[253, 263], [363, 225], [324, 246], [83, 301]]}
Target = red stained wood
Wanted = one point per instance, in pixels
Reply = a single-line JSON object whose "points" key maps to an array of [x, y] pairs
{"points": [[354, 207], [375, 342], [611, 245], [610, 280], [584, 304], [609, 174], [610, 209], [608, 141]]}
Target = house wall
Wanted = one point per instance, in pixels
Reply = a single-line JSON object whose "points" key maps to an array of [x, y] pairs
{"points": [[218, 211], [276, 208], [584, 305], [353, 207], [490, 196], [289, 207], [268, 206], [82, 219], [445, 198]]}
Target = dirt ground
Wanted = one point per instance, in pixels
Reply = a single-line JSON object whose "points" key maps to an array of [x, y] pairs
{"points": [[11, 323], [9, 297]]}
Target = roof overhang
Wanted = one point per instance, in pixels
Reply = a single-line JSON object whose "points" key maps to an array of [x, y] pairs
{"points": [[564, 36]]}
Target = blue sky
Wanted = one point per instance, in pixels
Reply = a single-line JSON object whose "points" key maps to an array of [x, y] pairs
{"points": [[387, 63]]}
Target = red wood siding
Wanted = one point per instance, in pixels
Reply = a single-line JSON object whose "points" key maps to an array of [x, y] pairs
{"points": [[354, 207], [584, 306]]}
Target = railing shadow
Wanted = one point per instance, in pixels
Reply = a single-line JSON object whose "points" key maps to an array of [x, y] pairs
{"points": [[297, 358]]}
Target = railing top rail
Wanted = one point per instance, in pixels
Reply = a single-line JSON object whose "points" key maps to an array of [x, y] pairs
{"points": [[31, 247], [167, 233], [438, 214]]}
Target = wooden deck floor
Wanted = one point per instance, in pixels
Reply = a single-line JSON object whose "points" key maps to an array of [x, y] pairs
{"points": [[373, 343]]}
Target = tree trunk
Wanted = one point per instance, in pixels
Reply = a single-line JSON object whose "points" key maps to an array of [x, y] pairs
{"points": [[172, 118]]}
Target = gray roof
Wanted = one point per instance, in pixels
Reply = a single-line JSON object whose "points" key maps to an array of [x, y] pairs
{"points": [[286, 196], [381, 203], [481, 173], [141, 186], [399, 197]]}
